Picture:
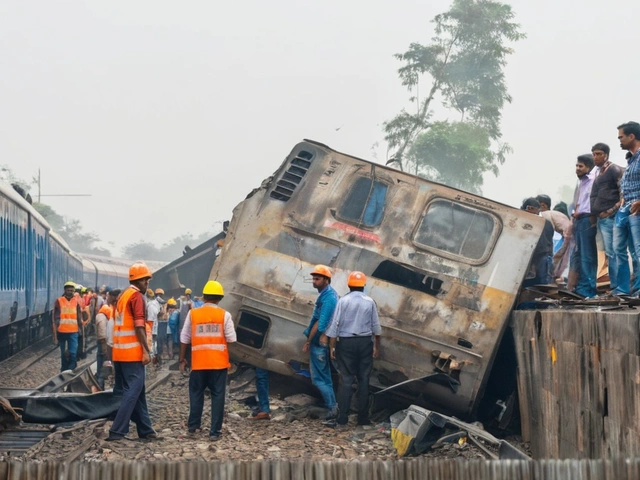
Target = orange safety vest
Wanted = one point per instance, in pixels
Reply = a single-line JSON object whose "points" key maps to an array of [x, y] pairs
{"points": [[126, 347], [68, 315], [107, 311], [208, 344]]}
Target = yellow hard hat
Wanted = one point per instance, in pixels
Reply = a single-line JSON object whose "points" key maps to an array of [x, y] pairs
{"points": [[70, 284], [213, 288], [172, 302], [159, 291], [187, 291], [150, 293]]}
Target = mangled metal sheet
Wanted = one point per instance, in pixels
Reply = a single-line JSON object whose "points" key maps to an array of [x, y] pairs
{"points": [[66, 397], [444, 268]]}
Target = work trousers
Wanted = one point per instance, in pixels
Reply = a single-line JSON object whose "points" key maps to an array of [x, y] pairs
{"points": [[68, 350], [354, 356], [319, 363], [216, 382], [129, 383], [161, 338], [100, 359]]}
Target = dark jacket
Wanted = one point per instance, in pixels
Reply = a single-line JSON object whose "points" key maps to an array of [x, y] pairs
{"points": [[605, 192]]}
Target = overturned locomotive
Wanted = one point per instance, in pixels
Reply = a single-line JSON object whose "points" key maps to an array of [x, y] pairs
{"points": [[444, 267]]}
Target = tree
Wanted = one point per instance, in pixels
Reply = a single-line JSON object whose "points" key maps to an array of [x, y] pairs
{"points": [[463, 66], [79, 240], [50, 215], [456, 154]]}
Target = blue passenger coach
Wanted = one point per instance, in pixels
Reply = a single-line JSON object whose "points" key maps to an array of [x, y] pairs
{"points": [[34, 264]]}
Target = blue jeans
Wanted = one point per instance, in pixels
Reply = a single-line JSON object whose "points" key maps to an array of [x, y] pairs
{"points": [[262, 386], [605, 226], [129, 383], [320, 365], [68, 343], [622, 244], [584, 259], [216, 382]]}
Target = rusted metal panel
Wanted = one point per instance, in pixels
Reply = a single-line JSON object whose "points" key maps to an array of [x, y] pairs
{"points": [[435, 296], [578, 374]]}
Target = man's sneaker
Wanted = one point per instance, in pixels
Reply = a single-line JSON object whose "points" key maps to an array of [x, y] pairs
{"points": [[332, 413], [214, 438], [150, 436], [261, 416], [331, 423]]}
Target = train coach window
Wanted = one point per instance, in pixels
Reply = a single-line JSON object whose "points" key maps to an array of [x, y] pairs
{"points": [[457, 230], [365, 202], [252, 329]]}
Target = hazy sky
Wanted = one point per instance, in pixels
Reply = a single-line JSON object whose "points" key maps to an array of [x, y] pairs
{"points": [[169, 113]]}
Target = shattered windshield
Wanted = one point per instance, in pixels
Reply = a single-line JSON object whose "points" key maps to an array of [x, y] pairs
{"points": [[365, 203]]}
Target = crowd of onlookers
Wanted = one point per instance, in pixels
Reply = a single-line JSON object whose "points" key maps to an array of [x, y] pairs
{"points": [[606, 201]]}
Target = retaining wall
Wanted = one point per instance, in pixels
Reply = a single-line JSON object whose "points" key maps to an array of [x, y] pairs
{"points": [[579, 382]]}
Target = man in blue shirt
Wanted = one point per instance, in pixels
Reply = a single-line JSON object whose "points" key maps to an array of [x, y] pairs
{"points": [[319, 361], [355, 322], [628, 214]]}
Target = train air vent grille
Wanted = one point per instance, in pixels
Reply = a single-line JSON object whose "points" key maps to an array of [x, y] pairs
{"points": [[291, 178]]}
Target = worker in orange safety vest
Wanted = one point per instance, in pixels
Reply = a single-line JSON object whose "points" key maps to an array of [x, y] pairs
{"points": [[208, 329], [130, 354], [66, 322]]}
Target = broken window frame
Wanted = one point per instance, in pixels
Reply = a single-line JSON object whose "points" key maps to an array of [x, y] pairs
{"points": [[360, 221], [493, 237]]}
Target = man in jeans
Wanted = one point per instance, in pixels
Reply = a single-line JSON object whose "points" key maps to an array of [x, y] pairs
{"points": [[319, 361], [628, 215], [605, 201], [584, 259]]}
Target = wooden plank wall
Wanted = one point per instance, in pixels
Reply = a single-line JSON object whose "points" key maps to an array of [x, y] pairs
{"points": [[578, 380], [364, 469]]}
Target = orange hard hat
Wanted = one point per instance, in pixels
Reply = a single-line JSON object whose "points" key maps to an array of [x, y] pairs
{"points": [[159, 291], [322, 270], [139, 271], [357, 279]]}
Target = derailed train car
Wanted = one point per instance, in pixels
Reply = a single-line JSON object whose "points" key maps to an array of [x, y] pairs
{"points": [[444, 267]]}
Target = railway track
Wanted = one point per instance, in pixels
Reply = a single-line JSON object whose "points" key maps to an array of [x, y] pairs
{"points": [[71, 442]]}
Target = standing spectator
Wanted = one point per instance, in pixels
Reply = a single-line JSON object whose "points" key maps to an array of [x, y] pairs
{"points": [[541, 260], [319, 361], [354, 323], [605, 201], [130, 355], [627, 219], [584, 259], [561, 225], [208, 329], [102, 320], [66, 323], [173, 328]]}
